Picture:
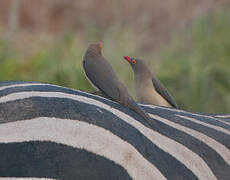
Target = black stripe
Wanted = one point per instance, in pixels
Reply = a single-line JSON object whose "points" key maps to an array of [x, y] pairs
{"points": [[159, 111], [219, 136], [52, 160], [69, 109], [225, 119], [50, 88], [219, 167], [208, 120], [203, 118]]}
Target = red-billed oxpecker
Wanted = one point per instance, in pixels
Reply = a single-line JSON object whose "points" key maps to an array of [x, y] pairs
{"points": [[148, 89], [101, 74]]}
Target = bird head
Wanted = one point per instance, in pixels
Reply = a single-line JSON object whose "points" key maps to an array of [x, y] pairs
{"points": [[94, 50], [137, 65]]}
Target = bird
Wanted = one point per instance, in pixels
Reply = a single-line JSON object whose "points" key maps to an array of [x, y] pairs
{"points": [[102, 76], [148, 89]]}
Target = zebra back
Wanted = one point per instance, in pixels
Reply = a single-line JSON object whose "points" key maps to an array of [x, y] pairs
{"points": [[49, 131]]}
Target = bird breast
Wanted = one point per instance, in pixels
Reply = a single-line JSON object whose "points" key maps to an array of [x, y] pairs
{"points": [[146, 93]]}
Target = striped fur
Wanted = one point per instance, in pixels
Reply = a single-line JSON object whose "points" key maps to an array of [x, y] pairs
{"points": [[48, 131]]}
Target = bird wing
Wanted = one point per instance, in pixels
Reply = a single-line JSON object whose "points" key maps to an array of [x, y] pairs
{"points": [[102, 76], [159, 87]]}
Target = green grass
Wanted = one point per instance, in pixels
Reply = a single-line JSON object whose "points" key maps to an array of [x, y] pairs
{"points": [[194, 65], [198, 64]]}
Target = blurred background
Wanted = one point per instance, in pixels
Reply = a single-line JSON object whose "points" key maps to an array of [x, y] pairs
{"points": [[185, 43]]}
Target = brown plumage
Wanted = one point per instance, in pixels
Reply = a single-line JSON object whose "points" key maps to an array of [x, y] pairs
{"points": [[101, 74], [148, 89]]}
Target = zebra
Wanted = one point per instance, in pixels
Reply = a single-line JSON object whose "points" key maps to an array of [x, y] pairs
{"points": [[53, 132]]}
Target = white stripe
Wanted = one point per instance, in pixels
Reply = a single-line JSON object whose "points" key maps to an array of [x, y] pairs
{"points": [[205, 124], [222, 116], [227, 123], [223, 151], [181, 111], [190, 159], [53, 85], [84, 136], [22, 85], [150, 106]]}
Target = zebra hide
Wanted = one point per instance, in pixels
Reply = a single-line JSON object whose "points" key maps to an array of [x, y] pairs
{"points": [[52, 132]]}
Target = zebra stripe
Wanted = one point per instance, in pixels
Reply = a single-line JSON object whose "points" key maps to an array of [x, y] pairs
{"points": [[204, 118], [206, 124], [221, 118], [104, 144], [4, 178], [218, 147], [169, 146], [182, 145], [225, 122], [126, 132]]}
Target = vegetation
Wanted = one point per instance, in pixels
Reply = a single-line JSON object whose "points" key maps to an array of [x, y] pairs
{"points": [[198, 62], [194, 65]]}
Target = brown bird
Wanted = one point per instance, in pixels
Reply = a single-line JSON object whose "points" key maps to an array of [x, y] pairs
{"points": [[101, 74], [148, 89]]}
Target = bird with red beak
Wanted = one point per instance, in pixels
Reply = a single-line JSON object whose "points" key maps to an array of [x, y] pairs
{"points": [[101, 74], [149, 89]]}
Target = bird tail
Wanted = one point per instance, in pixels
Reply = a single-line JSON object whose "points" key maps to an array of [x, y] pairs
{"points": [[135, 107]]}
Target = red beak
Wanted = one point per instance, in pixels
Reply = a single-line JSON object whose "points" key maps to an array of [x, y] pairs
{"points": [[100, 44], [127, 58]]}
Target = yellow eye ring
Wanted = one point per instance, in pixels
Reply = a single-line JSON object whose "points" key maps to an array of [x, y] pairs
{"points": [[133, 61]]}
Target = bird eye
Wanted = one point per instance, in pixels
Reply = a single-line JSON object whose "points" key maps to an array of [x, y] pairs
{"points": [[133, 61]]}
